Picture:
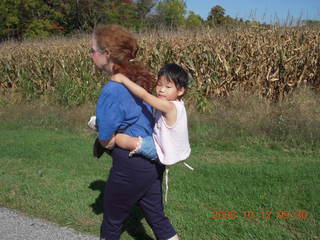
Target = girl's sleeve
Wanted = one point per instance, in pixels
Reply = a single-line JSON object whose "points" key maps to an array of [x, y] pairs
{"points": [[110, 113]]}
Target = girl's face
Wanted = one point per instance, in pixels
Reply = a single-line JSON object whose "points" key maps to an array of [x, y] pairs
{"points": [[166, 89], [100, 59]]}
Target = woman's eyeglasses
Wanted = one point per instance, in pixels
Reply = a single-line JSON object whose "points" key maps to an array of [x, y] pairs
{"points": [[92, 51]]}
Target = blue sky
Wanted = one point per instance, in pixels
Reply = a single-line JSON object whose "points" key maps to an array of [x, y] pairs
{"points": [[261, 10]]}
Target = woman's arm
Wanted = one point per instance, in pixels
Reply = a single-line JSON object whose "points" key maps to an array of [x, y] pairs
{"points": [[159, 104]]}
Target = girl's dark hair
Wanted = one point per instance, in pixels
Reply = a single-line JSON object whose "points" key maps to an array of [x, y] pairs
{"points": [[176, 74], [123, 50]]}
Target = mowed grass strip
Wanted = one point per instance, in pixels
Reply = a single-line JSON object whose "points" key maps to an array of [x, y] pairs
{"points": [[51, 174]]}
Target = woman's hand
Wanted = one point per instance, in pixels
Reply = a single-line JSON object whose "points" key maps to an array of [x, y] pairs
{"points": [[92, 123], [120, 78]]}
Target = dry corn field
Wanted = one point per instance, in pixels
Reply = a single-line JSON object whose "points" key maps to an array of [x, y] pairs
{"points": [[268, 62]]}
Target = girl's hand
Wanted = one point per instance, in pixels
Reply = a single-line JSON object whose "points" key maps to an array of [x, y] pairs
{"points": [[118, 77]]}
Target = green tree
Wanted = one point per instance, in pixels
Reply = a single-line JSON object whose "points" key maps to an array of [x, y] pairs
{"points": [[122, 13], [311, 23], [15, 17], [216, 16], [38, 28], [144, 7], [83, 15], [193, 20], [20, 19], [171, 13]]}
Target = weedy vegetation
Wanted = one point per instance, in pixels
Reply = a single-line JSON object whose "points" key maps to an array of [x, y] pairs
{"points": [[270, 62]]}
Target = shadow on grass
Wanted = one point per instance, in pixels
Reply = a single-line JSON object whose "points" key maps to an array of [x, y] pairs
{"points": [[97, 206], [132, 225]]}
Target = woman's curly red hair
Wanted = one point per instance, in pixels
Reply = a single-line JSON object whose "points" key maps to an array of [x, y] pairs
{"points": [[123, 47]]}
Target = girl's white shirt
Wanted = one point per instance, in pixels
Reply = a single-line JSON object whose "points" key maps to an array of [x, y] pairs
{"points": [[172, 142]]}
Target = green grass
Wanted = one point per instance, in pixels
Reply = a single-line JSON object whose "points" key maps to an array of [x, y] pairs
{"points": [[47, 171]]}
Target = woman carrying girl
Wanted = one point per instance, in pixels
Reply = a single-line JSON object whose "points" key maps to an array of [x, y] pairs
{"points": [[131, 180]]}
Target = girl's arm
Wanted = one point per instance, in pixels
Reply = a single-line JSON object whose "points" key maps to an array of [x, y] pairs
{"points": [[109, 144], [159, 104], [126, 142]]}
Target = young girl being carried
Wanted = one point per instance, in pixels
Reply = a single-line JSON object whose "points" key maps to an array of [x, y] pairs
{"points": [[169, 142]]}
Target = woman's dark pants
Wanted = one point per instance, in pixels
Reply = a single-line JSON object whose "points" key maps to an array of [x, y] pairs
{"points": [[134, 180]]}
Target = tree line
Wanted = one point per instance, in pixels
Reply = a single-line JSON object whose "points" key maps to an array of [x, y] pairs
{"points": [[29, 19]]}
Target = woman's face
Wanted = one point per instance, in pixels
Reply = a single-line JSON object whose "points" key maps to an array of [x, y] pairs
{"points": [[100, 59]]}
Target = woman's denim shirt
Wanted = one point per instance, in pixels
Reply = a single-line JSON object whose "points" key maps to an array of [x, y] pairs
{"points": [[118, 110]]}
